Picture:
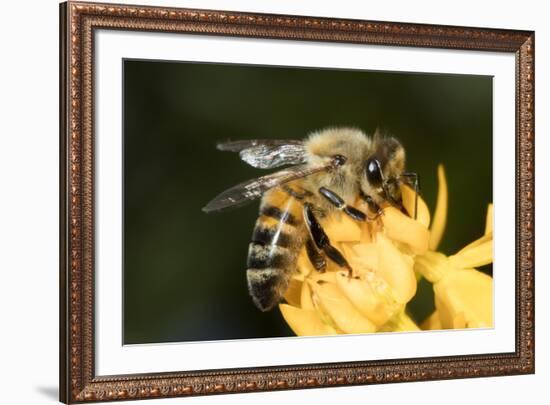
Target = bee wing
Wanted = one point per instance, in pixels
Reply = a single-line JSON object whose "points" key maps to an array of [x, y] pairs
{"points": [[254, 188], [237, 146], [267, 153]]}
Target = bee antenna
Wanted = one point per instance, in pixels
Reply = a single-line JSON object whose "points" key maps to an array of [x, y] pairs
{"points": [[415, 179]]}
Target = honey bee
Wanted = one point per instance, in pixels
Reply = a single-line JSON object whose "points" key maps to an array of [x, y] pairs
{"points": [[328, 172]]}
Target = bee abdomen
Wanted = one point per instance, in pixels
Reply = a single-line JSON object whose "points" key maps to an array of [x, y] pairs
{"points": [[268, 264], [262, 257], [267, 286], [274, 248], [266, 236], [271, 258]]}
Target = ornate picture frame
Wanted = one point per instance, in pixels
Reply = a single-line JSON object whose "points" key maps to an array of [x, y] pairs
{"points": [[78, 379]]}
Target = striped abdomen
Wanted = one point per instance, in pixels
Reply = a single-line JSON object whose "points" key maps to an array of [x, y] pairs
{"points": [[276, 241]]}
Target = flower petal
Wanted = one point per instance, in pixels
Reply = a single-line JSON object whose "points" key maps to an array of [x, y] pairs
{"points": [[304, 266], [361, 257], [464, 299], [432, 322], [489, 220], [326, 277], [304, 322], [474, 256], [440, 213], [293, 292], [399, 227], [305, 298], [477, 242], [341, 310], [431, 265], [343, 229], [396, 269], [400, 323], [449, 316], [370, 302], [409, 197]]}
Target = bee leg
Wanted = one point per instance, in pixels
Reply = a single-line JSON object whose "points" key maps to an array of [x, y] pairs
{"points": [[413, 180], [339, 203], [315, 257], [321, 240], [299, 195], [373, 206]]}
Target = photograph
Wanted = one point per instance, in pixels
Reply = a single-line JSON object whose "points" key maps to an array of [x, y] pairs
{"points": [[255, 202], [278, 201]]}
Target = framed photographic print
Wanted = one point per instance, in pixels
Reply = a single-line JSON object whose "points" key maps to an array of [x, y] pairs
{"points": [[260, 202]]}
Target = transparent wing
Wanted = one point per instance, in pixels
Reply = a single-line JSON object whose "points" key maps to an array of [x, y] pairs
{"points": [[267, 153], [252, 189], [237, 146]]}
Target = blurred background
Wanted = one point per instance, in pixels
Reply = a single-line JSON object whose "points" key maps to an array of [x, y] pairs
{"points": [[184, 271]]}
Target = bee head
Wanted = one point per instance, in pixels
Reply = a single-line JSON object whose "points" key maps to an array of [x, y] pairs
{"points": [[382, 167], [345, 151]]}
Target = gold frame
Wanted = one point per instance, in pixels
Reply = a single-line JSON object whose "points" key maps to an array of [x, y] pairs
{"points": [[78, 381]]}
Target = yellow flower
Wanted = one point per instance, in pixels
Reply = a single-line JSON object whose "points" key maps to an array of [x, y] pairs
{"points": [[387, 256], [374, 297], [463, 295]]}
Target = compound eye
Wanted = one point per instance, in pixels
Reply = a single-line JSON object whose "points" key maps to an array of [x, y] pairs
{"points": [[339, 160], [374, 172]]}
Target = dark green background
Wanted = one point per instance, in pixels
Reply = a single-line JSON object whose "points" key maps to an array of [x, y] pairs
{"points": [[184, 271]]}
